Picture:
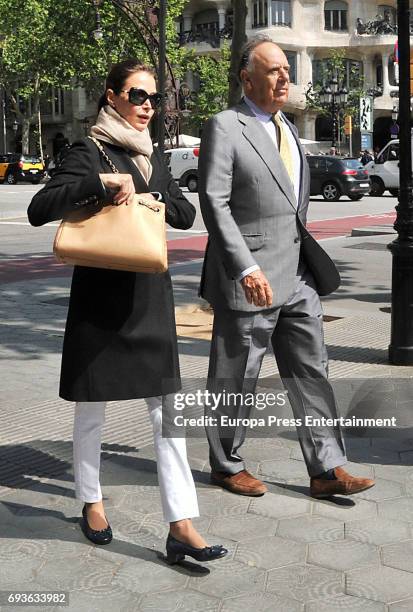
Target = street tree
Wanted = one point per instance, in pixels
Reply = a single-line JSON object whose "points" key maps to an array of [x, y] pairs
{"points": [[45, 44], [212, 96], [239, 37]]}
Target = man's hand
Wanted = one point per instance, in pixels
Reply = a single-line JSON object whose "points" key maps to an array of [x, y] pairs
{"points": [[122, 184], [257, 289]]}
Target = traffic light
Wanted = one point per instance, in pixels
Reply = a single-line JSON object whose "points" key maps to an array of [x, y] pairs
{"points": [[348, 125]]}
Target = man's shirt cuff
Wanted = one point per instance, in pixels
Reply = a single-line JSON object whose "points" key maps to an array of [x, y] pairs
{"points": [[248, 271]]}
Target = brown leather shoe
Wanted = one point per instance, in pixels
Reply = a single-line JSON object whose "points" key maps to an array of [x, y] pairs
{"points": [[345, 484], [242, 483]]}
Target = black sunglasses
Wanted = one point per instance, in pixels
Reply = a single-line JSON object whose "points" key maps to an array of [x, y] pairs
{"points": [[139, 96]]}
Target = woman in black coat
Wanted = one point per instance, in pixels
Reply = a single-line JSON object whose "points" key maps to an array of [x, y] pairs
{"points": [[120, 339]]}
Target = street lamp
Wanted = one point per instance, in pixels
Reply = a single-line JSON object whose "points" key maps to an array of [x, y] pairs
{"points": [[97, 32], [401, 340], [15, 127], [335, 99]]}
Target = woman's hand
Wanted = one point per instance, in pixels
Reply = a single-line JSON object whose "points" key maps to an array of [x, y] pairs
{"points": [[122, 184]]}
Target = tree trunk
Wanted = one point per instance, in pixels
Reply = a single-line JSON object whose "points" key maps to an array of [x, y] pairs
{"points": [[25, 135], [39, 116], [239, 37]]}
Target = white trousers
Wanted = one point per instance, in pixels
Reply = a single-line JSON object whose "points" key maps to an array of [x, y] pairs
{"points": [[177, 488]]}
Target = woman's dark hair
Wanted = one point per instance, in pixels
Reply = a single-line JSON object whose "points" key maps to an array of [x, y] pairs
{"points": [[119, 73]]}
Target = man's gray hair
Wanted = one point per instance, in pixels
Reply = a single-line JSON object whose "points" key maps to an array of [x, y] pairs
{"points": [[248, 49]]}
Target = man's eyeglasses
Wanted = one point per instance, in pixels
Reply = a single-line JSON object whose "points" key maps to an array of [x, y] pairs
{"points": [[139, 96]]}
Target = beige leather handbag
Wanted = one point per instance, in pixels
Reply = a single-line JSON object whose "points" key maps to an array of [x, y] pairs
{"points": [[129, 237]]}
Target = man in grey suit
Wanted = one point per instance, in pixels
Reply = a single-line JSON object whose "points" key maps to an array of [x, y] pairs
{"points": [[263, 274]]}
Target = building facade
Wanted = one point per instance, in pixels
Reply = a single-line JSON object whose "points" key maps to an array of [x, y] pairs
{"points": [[308, 30], [65, 115]]}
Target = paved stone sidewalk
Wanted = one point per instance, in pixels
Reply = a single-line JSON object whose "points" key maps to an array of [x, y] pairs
{"points": [[288, 552]]}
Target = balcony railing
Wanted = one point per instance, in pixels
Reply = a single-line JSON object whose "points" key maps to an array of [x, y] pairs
{"points": [[212, 37], [381, 26], [264, 24]]}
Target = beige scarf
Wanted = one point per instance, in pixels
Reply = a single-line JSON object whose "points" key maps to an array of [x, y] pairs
{"points": [[113, 128]]}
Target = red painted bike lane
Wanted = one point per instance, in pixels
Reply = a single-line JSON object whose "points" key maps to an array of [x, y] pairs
{"points": [[181, 250]]}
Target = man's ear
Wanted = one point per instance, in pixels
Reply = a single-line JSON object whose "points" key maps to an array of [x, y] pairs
{"points": [[245, 79]]}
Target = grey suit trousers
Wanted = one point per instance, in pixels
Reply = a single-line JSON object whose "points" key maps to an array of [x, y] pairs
{"points": [[239, 342]]}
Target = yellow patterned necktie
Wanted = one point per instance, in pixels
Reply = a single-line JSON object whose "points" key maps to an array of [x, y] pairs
{"points": [[284, 146]]}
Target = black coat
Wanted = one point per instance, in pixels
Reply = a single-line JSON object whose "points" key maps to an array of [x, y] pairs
{"points": [[120, 339]]}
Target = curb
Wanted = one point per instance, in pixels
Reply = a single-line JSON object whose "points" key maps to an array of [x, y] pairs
{"points": [[373, 230]]}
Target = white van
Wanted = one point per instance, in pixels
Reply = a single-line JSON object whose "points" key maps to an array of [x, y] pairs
{"points": [[183, 165], [384, 171]]}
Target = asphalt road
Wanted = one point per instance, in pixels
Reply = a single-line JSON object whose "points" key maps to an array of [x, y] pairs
{"points": [[19, 238]]}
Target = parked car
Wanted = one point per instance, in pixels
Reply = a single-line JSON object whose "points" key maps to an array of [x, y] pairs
{"points": [[333, 177], [15, 167], [384, 170], [183, 165]]}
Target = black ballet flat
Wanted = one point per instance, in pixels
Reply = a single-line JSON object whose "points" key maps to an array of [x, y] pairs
{"points": [[102, 536], [176, 551]]}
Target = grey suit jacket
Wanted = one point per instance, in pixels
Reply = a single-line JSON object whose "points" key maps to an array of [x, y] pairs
{"points": [[251, 213]]}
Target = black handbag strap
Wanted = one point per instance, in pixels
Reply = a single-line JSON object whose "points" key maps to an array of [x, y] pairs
{"points": [[105, 155]]}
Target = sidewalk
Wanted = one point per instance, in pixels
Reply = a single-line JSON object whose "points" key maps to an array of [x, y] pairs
{"points": [[288, 552]]}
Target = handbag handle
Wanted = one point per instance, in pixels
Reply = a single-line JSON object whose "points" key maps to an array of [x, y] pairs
{"points": [[104, 155], [116, 171]]}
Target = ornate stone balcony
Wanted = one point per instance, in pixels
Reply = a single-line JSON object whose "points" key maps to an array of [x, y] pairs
{"points": [[212, 37], [378, 26]]}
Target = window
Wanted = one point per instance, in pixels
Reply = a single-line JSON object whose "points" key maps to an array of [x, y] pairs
{"points": [[323, 128], [260, 14], [207, 29], [205, 24], [45, 106], [292, 60], [389, 154], [335, 15], [387, 12], [59, 101], [281, 13], [379, 75], [316, 163], [351, 77]]}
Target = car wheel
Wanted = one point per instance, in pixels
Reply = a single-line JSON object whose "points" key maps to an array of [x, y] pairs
{"points": [[355, 198], [192, 183], [377, 186], [11, 179], [331, 192], [394, 192]]}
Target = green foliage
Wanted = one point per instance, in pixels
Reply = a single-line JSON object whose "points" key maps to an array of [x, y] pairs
{"points": [[213, 84], [49, 43]]}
